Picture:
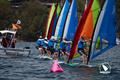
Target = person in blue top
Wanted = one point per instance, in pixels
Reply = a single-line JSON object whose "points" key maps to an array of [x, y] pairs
{"points": [[40, 43], [81, 50], [64, 49], [50, 48], [57, 47]]}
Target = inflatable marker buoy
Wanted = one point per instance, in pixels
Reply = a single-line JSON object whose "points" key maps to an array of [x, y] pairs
{"points": [[56, 67]]}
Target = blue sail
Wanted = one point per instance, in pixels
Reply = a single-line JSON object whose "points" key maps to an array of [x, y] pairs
{"points": [[54, 26], [105, 29], [71, 23], [62, 19], [56, 18]]}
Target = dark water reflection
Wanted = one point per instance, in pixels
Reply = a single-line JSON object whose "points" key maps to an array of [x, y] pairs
{"points": [[33, 68]]}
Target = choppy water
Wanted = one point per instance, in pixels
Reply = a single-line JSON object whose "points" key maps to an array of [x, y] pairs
{"points": [[33, 68]]}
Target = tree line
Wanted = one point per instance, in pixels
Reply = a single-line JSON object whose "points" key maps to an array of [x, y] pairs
{"points": [[33, 17]]}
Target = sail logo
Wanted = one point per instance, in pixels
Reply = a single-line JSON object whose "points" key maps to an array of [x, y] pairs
{"points": [[105, 68]]}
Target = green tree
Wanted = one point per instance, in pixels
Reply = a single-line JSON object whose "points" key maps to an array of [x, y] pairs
{"points": [[5, 14], [33, 18]]}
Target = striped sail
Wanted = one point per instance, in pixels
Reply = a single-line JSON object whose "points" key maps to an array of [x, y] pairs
{"points": [[56, 19], [91, 20], [79, 30], [50, 18], [53, 21], [105, 29], [71, 23], [62, 20]]}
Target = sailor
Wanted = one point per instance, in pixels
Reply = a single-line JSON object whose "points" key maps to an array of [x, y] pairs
{"points": [[50, 47], [81, 50], [4, 42], [56, 47], [7, 41], [63, 48], [40, 43], [46, 47]]}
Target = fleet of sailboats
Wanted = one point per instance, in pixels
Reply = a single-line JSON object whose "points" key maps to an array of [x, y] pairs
{"points": [[96, 25]]}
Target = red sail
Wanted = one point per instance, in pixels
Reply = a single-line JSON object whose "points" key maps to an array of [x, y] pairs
{"points": [[79, 30]]}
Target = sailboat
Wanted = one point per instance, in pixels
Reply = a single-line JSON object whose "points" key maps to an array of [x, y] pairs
{"points": [[103, 27], [90, 23], [79, 30], [70, 25], [56, 19]]}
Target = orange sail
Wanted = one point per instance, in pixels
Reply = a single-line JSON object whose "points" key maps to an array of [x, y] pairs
{"points": [[88, 27]]}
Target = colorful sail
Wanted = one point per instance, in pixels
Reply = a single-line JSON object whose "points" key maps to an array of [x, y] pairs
{"points": [[54, 21], [90, 24], [71, 22], [79, 30], [50, 19], [62, 20], [105, 29], [91, 20]]}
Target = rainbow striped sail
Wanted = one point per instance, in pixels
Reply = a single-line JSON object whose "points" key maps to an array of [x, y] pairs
{"points": [[51, 13], [54, 21]]}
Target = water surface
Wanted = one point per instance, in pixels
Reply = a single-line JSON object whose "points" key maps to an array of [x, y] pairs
{"points": [[34, 68]]}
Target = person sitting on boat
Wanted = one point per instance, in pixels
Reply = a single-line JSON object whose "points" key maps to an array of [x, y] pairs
{"points": [[50, 48], [8, 41], [4, 42], [63, 48], [57, 46], [81, 50], [68, 45], [47, 47], [40, 43], [11, 40]]}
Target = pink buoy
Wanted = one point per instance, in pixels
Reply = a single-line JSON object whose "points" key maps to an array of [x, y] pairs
{"points": [[56, 67]]}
